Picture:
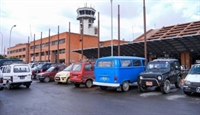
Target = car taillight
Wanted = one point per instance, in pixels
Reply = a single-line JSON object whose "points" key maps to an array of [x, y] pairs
{"points": [[1, 80], [41, 70], [115, 78], [11, 78]]}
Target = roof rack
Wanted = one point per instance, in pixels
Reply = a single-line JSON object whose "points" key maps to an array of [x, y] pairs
{"points": [[10, 62]]}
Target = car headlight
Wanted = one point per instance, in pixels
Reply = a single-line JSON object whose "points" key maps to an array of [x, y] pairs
{"points": [[159, 77], [141, 77], [187, 82]]}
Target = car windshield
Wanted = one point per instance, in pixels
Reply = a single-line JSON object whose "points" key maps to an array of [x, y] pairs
{"points": [[50, 69], [77, 67], [195, 69], [68, 68], [158, 65], [40, 66]]}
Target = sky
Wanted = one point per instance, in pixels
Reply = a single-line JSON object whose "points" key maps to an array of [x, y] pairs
{"points": [[36, 16]]}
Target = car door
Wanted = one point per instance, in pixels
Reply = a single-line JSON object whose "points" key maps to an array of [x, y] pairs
{"points": [[88, 72], [6, 74]]}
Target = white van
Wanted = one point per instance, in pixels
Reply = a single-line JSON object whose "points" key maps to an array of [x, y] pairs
{"points": [[192, 80], [15, 75]]}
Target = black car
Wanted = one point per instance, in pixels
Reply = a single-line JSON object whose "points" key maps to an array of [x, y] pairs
{"points": [[41, 68], [161, 73]]}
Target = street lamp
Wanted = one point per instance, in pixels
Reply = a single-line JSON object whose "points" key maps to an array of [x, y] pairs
{"points": [[10, 37], [111, 29], [2, 44]]}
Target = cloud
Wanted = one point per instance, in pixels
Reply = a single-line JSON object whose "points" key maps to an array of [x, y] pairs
{"points": [[36, 16]]}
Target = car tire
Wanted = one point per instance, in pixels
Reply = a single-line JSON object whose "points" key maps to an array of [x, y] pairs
{"points": [[28, 85], [125, 86], [41, 80], [68, 81], [59, 82], [103, 87], [187, 93], [178, 82], [46, 79], [165, 89], [8, 86], [89, 83], [142, 88], [77, 84]]}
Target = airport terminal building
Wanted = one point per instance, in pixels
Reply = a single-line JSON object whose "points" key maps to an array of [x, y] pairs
{"points": [[181, 41]]}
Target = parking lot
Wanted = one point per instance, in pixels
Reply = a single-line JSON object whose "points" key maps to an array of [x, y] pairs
{"points": [[62, 99]]}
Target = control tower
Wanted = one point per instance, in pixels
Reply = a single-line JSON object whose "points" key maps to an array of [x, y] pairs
{"points": [[87, 15]]}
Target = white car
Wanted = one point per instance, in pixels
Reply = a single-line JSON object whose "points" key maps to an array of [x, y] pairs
{"points": [[192, 80], [15, 75], [1, 81]]}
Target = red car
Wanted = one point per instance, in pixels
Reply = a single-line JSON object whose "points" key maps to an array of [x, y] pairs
{"points": [[48, 75], [82, 73]]}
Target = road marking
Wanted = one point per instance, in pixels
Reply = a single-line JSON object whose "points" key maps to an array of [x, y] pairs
{"points": [[150, 94], [173, 97]]}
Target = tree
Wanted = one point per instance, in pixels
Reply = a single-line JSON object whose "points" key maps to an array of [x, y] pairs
{"points": [[2, 57], [14, 57]]}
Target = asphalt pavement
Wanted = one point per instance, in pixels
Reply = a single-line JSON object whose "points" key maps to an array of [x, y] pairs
{"points": [[62, 99]]}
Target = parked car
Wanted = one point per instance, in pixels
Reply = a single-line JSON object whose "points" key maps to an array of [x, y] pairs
{"points": [[15, 75], [1, 81], [82, 73], [161, 73], [49, 75], [118, 71], [192, 80], [41, 68], [63, 76]]}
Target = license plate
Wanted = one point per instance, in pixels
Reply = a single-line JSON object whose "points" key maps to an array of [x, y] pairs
{"points": [[22, 77], [104, 78], [149, 83], [75, 76], [198, 89]]}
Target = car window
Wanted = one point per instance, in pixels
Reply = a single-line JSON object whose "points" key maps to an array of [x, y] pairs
{"points": [[68, 68], [88, 67], [77, 67], [126, 63], [50, 69], [21, 68], [105, 63], [136, 63], [8, 69]]}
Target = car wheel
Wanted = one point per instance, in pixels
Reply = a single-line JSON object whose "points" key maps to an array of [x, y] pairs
{"points": [[89, 83], [41, 80], [68, 81], [142, 88], [178, 82], [46, 79], [125, 86], [188, 93], [166, 88], [8, 86], [103, 87], [28, 85], [77, 84]]}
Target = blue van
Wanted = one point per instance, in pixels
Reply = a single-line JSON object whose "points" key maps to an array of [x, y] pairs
{"points": [[118, 71]]}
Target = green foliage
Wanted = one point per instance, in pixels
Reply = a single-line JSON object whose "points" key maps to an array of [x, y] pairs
{"points": [[2, 57], [14, 58]]}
